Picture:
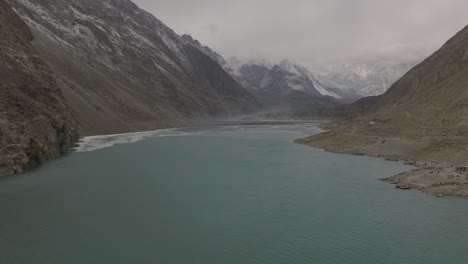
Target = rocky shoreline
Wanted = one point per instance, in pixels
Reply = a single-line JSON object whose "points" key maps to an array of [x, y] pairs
{"points": [[439, 181], [434, 167]]}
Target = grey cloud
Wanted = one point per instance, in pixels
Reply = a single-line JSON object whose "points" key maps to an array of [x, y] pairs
{"points": [[315, 31]]}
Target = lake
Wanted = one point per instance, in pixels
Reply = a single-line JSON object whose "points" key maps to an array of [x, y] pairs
{"points": [[223, 194]]}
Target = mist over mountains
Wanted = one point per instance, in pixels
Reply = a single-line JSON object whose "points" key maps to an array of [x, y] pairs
{"points": [[288, 83]]}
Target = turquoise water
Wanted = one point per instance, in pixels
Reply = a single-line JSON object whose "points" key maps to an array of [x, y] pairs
{"points": [[240, 194]]}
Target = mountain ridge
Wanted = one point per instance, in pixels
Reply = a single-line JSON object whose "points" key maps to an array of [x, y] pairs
{"points": [[348, 82], [124, 70]]}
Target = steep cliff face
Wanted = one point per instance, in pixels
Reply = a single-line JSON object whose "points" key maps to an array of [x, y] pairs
{"points": [[35, 122], [124, 70]]}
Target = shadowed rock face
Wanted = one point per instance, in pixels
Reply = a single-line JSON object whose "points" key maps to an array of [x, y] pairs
{"points": [[123, 70], [35, 122]]}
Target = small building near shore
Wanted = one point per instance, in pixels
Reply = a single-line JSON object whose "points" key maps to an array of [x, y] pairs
{"points": [[462, 169]]}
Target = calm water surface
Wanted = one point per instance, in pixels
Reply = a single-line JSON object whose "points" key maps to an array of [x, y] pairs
{"points": [[237, 194]]}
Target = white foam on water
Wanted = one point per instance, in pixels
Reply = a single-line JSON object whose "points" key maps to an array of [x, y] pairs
{"points": [[93, 143]]}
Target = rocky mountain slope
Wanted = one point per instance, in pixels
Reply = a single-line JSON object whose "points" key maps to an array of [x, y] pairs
{"points": [[345, 82], [35, 122], [432, 98], [122, 70]]}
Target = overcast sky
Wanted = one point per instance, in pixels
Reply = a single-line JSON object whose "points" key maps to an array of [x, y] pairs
{"points": [[315, 31]]}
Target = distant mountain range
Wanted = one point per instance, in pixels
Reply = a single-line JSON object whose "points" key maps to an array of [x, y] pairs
{"points": [[287, 83], [431, 99]]}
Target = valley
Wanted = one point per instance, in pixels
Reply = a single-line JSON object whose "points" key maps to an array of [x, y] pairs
{"points": [[215, 131], [118, 69]]}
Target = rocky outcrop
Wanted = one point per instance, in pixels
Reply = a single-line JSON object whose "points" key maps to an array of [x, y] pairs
{"points": [[35, 121]]}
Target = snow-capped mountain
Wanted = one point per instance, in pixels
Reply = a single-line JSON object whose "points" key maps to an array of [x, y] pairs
{"points": [[274, 83], [369, 79], [285, 79], [283, 83], [235, 64]]}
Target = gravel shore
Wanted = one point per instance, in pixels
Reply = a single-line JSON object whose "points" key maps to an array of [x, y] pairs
{"points": [[434, 158]]}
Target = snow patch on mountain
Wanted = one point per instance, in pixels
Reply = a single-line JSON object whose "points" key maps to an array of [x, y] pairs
{"points": [[369, 79]]}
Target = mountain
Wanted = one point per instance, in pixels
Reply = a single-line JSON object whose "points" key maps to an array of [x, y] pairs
{"points": [[369, 79], [121, 69], [287, 84], [292, 81], [422, 116], [345, 82], [36, 123], [284, 84], [432, 98], [189, 40]]}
